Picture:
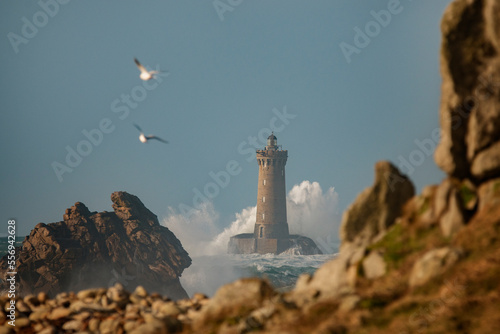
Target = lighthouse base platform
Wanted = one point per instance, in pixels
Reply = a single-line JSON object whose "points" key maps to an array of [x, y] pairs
{"points": [[246, 243]]}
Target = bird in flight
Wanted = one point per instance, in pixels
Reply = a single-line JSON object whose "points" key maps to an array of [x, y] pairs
{"points": [[144, 139], [145, 74]]}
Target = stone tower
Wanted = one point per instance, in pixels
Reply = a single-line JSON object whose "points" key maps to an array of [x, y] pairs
{"points": [[271, 233], [271, 224]]}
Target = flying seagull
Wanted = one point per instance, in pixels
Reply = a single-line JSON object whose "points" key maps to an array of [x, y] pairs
{"points": [[144, 139], [145, 74]]}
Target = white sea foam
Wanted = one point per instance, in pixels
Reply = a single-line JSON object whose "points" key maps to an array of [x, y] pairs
{"points": [[310, 211], [208, 273]]}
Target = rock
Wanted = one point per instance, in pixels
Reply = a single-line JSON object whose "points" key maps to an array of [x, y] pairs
{"points": [[432, 264], [331, 280], [165, 308], [442, 195], [378, 206], [22, 322], [22, 307], [374, 265], [140, 291], [6, 330], [426, 206], [469, 117], [489, 193], [349, 302], [59, 313], [90, 249], [149, 328], [79, 306], [39, 315], [94, 325], [235, 299], [453, 219], [48, 330], [109, 326], [73, 325], [117, 293], [130, 326], [42, 296], [88, 293], [487, 162], [300, 245]]}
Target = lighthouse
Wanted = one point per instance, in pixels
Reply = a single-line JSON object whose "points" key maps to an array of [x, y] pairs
{"points": [[271, 234], [271, 227]]}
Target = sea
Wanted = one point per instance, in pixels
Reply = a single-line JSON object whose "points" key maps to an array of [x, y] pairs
{"points": [[208, 273]]}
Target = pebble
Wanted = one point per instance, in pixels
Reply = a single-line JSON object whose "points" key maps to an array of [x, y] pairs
{"points": [[42, 297], [39, 315], [59, 313], [74, 325], [22, 322], [94, 325], [111, 310], [89, 293], [109, 326], [140, 291], [48, 330]]}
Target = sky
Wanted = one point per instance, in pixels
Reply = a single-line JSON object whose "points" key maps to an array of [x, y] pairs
{"points": [[342, 83]]}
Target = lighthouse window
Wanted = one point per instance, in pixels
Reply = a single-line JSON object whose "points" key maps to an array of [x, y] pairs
{"points": [[264, 182], [263, 215], [263, 198], [261, 232]]}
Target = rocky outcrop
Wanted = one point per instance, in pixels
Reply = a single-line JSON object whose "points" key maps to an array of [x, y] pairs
{"points": [[470, 67], [432, 264], [377, 207], [96, 249], [367, 219]]}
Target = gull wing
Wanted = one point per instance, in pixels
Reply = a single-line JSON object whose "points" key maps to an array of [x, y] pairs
{"points": [[138, 128], [157, 138], [139, 65]]}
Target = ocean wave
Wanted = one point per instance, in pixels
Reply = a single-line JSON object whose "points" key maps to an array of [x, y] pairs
{"points": [[208, 273]]}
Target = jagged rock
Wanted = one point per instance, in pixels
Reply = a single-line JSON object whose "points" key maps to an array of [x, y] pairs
{"points": [[333, 279], [235, 299], [453, 219], [487, 162], [374, 266], [426, 206], [432, 264], [90, 249], [470, 67], [489, 193], [378, 206]]}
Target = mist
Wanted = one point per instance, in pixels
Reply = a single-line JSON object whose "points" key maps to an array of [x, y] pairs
{"points": [[311, 212]]}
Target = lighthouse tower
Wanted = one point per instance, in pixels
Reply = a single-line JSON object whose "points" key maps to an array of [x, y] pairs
{"points": [[271, 227], [271, 233]]}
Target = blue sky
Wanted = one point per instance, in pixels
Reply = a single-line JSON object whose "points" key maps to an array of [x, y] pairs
{"points": [[229, 75]]}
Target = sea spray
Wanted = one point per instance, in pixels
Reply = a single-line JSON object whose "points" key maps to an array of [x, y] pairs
{"points": [[311, 212], [208, 273]]}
